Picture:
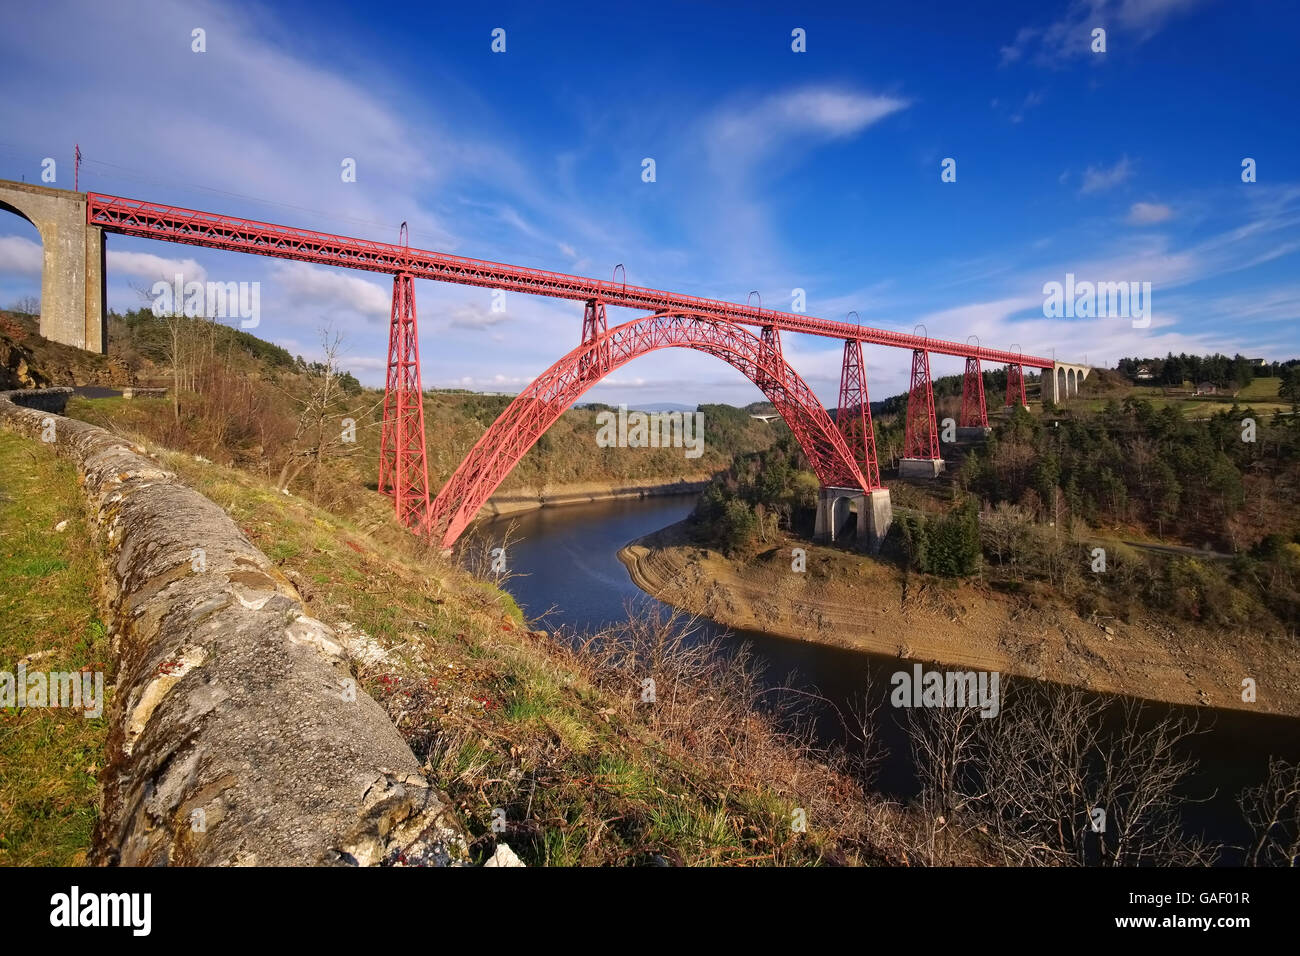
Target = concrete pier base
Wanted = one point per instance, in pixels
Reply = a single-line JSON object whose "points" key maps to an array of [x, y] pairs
{"points": [[973, 432], [921, 467], [880, 515], [836, 505]]}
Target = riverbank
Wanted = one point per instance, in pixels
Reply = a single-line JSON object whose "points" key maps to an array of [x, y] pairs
{"points": [[520, 500], [846, 600]]}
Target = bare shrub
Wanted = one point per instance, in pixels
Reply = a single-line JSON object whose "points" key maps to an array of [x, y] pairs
{"points": [[1273, 811], [1034, 778], [710, 702]]}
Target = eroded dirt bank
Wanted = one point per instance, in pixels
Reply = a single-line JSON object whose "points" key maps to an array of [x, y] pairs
{"points": [[530, 499], [848, 601]]}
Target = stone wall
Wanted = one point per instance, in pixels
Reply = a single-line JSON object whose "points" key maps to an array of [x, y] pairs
{"points": [[40, 399], [236, 734]]}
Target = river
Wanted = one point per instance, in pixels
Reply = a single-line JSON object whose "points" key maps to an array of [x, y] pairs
{"points": [[568, 576]]}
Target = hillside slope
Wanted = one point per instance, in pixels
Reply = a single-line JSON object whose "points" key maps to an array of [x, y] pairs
{"points": [[551, 739]]}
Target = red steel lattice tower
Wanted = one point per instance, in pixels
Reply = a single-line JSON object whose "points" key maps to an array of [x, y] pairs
{"points": [[770, 336], [853, 414], [921, 436], [594, 325], [1016, 386], [403, 462], [974, 414]]}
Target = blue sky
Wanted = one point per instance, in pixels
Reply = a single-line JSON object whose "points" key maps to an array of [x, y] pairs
{"points": [[775, 170]]}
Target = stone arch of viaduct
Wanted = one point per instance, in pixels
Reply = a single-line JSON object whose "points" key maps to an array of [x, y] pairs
{"points": [[1062, 381]]}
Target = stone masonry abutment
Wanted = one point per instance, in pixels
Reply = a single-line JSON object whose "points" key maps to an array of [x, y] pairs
{"points": [[73, 307]]}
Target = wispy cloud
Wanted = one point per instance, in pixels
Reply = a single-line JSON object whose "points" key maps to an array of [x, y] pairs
{"points": [[1056, 43], [20, 256], [743, 135], [747, 145], [1099, 179], [1032, 99], [144, 265], [324, 291], [474, 316], [1280, 304], [1149, 213]]}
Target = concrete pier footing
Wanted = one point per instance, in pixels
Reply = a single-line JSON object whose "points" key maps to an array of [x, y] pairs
{"points": [[836, 505], [973, 432], [921, 467]]}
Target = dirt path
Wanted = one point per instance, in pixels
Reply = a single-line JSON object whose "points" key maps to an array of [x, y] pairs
{"points": [[848, 601]]}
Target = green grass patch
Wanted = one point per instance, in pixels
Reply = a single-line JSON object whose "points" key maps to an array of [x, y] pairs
{"points": [[49, 757], [1259, 390]]}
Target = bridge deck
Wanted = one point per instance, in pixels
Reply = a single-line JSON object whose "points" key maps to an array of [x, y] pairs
{"points": [[136, 217]]}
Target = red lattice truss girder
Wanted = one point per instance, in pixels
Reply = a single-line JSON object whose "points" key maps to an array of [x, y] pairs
{"points": [[538, 406], [853, 413], [135, 217], [921, 434], [403, 465], [974, 414]]}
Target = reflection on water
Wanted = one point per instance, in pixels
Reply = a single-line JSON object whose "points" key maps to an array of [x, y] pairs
{"points": [[569, 576]]}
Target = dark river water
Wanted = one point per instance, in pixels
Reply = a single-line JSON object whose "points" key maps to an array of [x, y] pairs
{"points": [[568, 576]]}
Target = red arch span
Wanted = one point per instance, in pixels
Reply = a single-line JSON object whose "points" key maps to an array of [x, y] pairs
{"points": [[538, 406]]}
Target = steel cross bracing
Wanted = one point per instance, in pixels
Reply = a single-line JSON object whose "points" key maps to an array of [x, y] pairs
{"points": [[1015, 386], [853, 414], [403, 463], [920, 434], [770, 336], [974, 414], [594, 325], [136, 217], [537, 407]]}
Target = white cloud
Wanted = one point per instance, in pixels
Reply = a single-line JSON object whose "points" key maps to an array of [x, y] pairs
{"points": [[1034, 98], [332, 291], [248, 118], [743, 135], [475, 316], [1071, 35], [1148, 213], [1099, 178], [144, 265], [19, 256], [1266, 305]]}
